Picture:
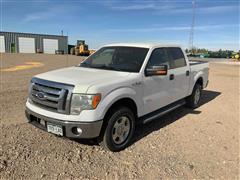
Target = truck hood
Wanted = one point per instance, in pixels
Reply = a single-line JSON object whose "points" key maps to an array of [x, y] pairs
{"points": [[82, 78]]}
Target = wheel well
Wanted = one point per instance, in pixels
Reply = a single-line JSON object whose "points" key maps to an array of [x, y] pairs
{"points": [[200, 81], [127, 102]]}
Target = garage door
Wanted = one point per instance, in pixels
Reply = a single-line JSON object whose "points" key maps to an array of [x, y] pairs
{"points": [[26, 45], [50, 45], [2, 44]]}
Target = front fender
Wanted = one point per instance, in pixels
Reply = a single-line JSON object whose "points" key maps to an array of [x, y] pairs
{"points": [[106, 102], [114, 96]]}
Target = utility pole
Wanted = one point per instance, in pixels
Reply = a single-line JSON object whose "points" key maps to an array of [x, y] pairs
{"points": [[191, 36]]}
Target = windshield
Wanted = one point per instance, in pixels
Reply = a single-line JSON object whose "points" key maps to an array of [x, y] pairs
{"points": [[129, 59]]}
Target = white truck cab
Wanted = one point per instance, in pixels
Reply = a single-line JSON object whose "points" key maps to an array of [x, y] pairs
{"points": [[115, 88]]}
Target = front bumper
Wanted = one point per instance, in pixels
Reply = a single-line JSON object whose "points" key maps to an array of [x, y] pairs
{"points": [[89, 129]]}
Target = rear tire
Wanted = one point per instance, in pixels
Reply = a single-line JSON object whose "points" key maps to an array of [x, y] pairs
{"points": [[119, 129], [193, 100]]}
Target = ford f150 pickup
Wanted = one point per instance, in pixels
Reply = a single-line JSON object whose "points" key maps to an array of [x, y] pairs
{"points": [[118, 86]]}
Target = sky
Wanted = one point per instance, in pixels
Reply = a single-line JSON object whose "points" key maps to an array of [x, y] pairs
{"points": [[217, 22]]}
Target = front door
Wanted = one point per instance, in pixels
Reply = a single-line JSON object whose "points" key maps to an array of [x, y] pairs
{"points": [[158, 90], [13, 48]]}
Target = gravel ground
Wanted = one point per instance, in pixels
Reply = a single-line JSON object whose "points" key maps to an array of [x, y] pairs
{"points": [[184, 144]]}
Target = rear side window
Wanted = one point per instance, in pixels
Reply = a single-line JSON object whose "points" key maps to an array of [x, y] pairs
{"points": [[177, 58], [159, 57]]}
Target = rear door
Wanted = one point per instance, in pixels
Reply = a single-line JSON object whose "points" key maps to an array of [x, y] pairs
{"points": [[179, 73]]}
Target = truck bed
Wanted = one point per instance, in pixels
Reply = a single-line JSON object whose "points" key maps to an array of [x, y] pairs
{"points": [[199, 68], [192, 63]]}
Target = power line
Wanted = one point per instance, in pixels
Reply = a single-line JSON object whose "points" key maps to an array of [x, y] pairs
{"points": [[191, 36]]}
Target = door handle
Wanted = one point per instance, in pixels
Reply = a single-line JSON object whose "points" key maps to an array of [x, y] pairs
{"points": [[187, 73], [171, 77]]}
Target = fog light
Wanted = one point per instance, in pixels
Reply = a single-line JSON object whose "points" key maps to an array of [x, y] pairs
{"points": [[77, 130]]}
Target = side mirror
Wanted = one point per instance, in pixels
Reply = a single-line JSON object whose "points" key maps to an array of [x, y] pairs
{"points": [[156, 70]]}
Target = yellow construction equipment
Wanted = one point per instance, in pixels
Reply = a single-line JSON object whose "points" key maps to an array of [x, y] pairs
{"points": [[81, 49], [236, 56]]}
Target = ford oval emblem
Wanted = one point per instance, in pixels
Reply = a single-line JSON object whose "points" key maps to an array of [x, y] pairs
{"points": [[40, 95]]}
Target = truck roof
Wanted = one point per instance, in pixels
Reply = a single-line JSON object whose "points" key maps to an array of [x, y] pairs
{"points": [[143, 45]]}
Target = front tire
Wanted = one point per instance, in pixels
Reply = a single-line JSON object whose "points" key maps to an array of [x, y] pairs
{"points": [[193, 100], [119, 129]]}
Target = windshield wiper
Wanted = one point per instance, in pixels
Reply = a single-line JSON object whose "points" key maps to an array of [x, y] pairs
{"points": [[103, 66], [100, 66], [109, 67], [84, 64]]}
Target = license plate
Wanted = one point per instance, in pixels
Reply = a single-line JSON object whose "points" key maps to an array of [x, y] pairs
{"points": [[55, 129]]}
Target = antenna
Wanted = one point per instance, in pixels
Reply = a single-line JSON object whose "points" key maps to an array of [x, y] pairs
{"points": [[67, 50], [191, 36]]}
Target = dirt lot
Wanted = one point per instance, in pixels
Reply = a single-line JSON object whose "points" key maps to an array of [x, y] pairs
{"points": [[200, 144]]}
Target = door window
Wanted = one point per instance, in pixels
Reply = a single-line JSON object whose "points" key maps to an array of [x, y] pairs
{"points": [[158, 57], [177, 58]]}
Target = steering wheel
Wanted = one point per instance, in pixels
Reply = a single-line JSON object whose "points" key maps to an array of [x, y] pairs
{"points": [[134, 63]]}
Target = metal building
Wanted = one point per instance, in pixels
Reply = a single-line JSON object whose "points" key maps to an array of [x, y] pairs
{"points": [[14, 42]]}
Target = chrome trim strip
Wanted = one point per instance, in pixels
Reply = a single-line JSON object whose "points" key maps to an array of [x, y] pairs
{"points": [[56, 96]]}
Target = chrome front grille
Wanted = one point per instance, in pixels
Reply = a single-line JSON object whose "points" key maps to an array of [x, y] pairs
{"points": [[51, 95]]}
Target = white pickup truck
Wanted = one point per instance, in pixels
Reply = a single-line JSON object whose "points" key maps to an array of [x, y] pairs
{"points": [[115, 88]]}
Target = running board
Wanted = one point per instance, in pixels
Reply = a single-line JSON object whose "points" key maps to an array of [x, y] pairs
{"points": [[156, 114]]}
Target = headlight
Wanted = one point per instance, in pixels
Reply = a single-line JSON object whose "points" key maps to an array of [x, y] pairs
{"points": [[81, 102]]}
